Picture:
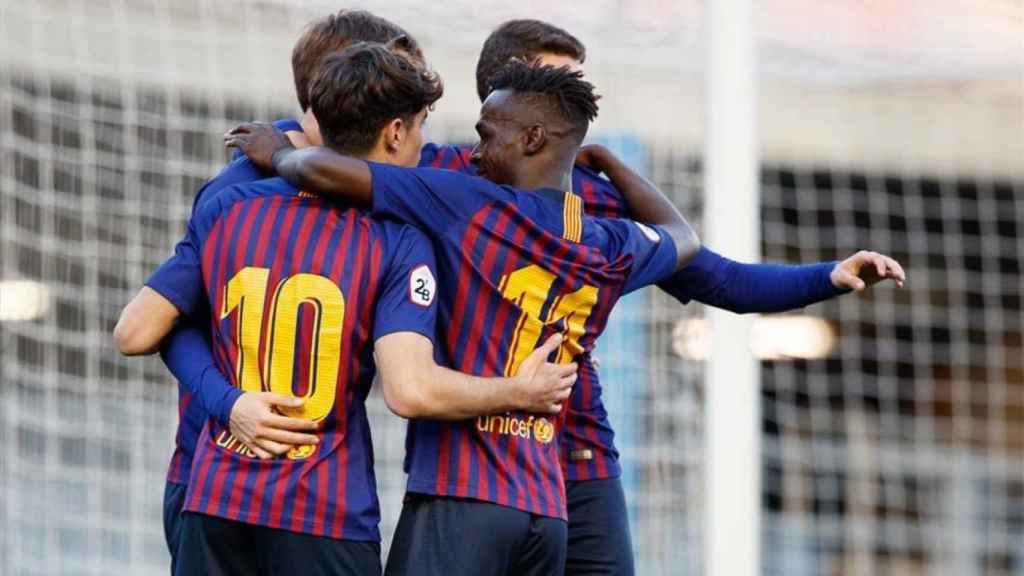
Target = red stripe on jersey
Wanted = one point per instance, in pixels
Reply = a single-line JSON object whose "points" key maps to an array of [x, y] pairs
{"points": [[278, 273], [338, 519], [301, 246], [500, 319], [234, 499], [216, 249], [260, 486], [462, 289], [475, 335], [332, 222]]}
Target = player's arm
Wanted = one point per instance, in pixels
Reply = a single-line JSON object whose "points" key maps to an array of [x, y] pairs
{"points": [[317, 169], [646, 203], [415, 386], [176, 287], [764, 288], [251, 416], [144, 322]]}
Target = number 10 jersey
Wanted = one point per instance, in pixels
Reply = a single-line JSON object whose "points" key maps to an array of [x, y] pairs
{"points": [[297, 291]]}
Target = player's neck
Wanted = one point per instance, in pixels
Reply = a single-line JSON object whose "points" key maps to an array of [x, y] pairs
{"points": [[311, 128], [534, 177]]}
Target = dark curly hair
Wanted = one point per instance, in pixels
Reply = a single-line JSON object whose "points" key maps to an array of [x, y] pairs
{"points": [[554, 90], [523, 40], [359, 90]]}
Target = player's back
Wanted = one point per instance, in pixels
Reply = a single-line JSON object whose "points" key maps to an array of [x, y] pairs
{"points": [[296, 285], [513, 267], [191, 415]]}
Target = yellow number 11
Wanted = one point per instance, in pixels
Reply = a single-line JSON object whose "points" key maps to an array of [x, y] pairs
{"points": [[529, 288], [247, 292]]}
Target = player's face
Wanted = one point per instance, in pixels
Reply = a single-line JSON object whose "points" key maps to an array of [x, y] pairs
{"points": [[499, 147], [408, 153]]}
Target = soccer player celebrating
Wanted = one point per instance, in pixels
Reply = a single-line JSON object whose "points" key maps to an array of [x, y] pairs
{"points": [[204, 392], [518, 260], [599, 539], [298, 290]]}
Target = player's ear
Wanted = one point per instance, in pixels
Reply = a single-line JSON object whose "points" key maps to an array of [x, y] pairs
{"points": [[534, 138], [394, 134]]}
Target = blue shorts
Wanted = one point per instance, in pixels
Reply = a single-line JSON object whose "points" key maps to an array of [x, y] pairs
{"points": [[174, 501], [455, 537], [599, 540], [214, 546]]}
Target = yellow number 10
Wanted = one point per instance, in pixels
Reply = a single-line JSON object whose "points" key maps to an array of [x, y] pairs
{"points": [[529, 288], [246, 292]]}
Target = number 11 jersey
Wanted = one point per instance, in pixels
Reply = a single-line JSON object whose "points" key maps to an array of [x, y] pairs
{"points": [[515, 267]]}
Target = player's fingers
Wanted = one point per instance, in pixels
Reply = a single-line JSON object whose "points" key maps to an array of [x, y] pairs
{"points": [[562, 395], [896, 269], [550, 345], [879, 262], [563, 370], [285, 423], [283, 400], [274, 448], [848, 280], [260, 452], [286, 437], [567, 382], [554, 408]]}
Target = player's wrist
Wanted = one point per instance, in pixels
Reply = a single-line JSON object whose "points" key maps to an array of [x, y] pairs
{"points": [[280, 154]]}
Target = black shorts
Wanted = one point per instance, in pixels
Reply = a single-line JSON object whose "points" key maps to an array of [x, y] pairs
{"points": [[599, 541], [455, 537], [174, 501], [212, 546]]}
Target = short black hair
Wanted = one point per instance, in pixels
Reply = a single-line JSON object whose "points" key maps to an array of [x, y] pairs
{"points": [[522, 40], [556, 90], [357, 91], [334, 32]]}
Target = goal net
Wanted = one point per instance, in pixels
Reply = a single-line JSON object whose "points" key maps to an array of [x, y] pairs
{"points": [[892, 423]]}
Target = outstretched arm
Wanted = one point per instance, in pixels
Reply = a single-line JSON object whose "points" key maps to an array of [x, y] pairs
{"points": [[416, 387], [646, 203], [764, 288], [315, 169]]}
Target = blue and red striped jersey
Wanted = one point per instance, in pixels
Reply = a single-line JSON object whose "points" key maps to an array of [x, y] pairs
{"points": [[191, 415], [299, 289], [516, 266], [587, 440]]}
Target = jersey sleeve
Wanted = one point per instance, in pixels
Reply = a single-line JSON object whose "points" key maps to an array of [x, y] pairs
{"points": [[180, 278], [187, 353], [431, 199], [651, 249], [408, 299]]}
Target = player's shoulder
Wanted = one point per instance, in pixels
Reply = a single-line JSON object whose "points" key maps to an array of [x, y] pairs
{"points": [[239, 169], [229, 196], [446, 156], [613, 234], [399, 235]]}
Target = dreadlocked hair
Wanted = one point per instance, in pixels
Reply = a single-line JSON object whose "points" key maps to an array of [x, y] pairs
{"points": [[562, 90]]}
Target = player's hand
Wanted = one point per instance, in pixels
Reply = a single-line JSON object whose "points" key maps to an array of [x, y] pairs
{"points": [[541, 386], [865, 269], [593, 156], [259, 141], [255, 423]]}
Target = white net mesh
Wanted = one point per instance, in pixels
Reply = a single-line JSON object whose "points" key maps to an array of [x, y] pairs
{"points": [[898, 452]]}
